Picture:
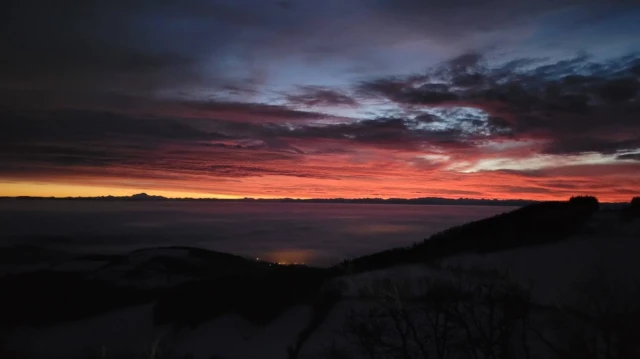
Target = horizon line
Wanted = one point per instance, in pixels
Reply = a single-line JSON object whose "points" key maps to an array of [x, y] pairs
{"points": [[143, 195]]}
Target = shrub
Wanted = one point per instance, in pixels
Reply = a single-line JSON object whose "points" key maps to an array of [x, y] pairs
{"points": [[631, 212], [587, 202]]}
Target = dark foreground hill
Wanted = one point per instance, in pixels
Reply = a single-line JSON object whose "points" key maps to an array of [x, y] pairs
{"points": [[187, 285], [533, 224], [190, 285], [210, 305]]}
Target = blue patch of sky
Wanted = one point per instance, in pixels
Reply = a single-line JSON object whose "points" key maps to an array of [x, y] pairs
{"points": [[603, 32]]}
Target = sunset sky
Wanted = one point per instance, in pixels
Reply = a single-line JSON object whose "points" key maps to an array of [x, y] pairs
{"points": [[533, 99]]}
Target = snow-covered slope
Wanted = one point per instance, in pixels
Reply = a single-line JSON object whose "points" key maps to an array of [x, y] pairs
{"points": [[550, 271]]}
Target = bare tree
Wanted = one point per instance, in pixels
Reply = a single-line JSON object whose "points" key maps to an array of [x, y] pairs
{"points": [[602, 323], [487, 321]]}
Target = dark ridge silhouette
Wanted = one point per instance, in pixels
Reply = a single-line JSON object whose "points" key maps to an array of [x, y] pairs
{"points": [[417, 201], [631, 211], [28, 254], [48, 297], [277, 289], [208, 263], [145, 197], [216, 283], [533, 224]]}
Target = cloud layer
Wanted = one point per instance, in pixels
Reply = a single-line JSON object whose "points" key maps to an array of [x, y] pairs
{"points": [[332, 99]]}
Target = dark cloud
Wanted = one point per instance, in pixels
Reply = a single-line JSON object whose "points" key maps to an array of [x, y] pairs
{"points": [[313, 96], [408, 90], [87, 142], [73, 126], [110, 102], [389, 133], [629, 156], [186, 90], [250, 112], [82, 45], [591, 144], [457, 17], [577, 105], [144, 45], [379, 131], [382, 132], [63, 155], [567, 111], [32, 140]]}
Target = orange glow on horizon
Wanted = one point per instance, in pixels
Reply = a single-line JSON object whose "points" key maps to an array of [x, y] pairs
{"points": [[16, 189], [335, 189], [364, 172]]}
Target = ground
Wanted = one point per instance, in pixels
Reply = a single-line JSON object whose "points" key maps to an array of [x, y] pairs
{"points": [[550, 271]]}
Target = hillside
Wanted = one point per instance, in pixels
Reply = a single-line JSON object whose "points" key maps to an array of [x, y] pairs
{"points": [[533, 224], [184, 302]]}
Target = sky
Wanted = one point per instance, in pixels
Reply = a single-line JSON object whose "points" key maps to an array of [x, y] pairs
{"points": [[317, 99]]}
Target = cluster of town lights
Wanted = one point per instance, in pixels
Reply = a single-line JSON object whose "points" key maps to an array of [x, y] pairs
{"points": [[286, 263]]}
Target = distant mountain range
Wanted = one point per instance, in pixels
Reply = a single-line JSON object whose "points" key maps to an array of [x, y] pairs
{"points": [[423, 201]]}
